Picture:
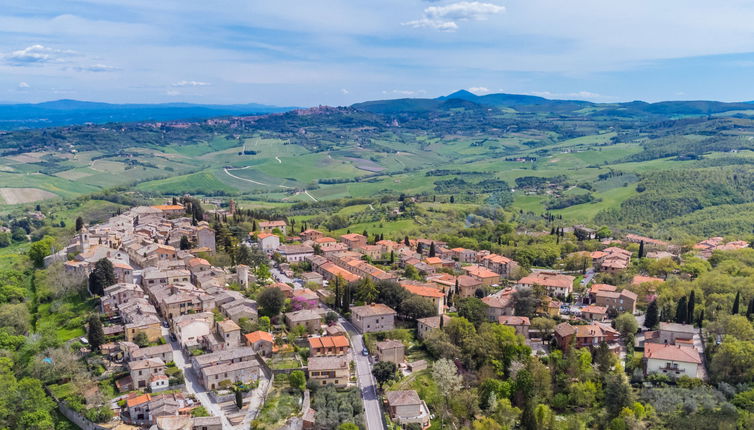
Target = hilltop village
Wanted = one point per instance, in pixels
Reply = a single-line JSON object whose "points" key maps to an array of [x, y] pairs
{"points": [[302, 329]]}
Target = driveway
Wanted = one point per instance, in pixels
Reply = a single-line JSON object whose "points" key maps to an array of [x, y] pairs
{"points": [[367, 384]]}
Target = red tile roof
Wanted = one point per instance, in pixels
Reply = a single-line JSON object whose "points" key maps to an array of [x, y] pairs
{"points": [[685, 354]]}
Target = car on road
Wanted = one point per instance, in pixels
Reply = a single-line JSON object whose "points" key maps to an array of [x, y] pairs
{"points": [[365, 352]]}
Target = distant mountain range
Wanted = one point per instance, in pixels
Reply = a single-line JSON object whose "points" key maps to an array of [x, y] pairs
{"points": [[68, 112], [533, 104]]}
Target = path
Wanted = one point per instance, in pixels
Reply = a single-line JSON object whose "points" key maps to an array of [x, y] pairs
{"points": [[227, 172], [367, 385], [279, 162], [310, 196]]}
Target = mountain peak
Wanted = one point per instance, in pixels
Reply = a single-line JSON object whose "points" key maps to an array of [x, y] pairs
{"points": [[460, 94]]}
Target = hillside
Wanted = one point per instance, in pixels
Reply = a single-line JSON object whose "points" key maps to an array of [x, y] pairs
{"points": [[612, 164]]}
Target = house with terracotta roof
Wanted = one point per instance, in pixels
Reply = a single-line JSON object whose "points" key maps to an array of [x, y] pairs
{"points": [[267, 241], [611, 260], [556, 284], [671, 360], [328, 345], [426, 291], [171, 210], [520, 324], [623, 301], [596, 288], [295, 253], [499, 304], [594, 313], [463, 255], [373, 317], [260, 341], [269, 226], [406, 407], [311, 234], [564, 335], [354, 240], [482, 274], [142, 370], [499, 264]]}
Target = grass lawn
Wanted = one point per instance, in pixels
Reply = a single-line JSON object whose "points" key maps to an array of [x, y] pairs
{"points": [[66, 317]]}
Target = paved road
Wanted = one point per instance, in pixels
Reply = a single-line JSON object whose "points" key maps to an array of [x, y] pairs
{"points": [[193, 386], [280, 277], [367, 384]]}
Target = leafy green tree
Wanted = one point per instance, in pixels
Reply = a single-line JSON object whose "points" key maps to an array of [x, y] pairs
{"points": [[445, 374], [416, 307], [391, 294], [41, 249], [410, 272], [545, 326], [473, 309], [603, 358], [79, 224], [384, 371], [141, 339], [348, 426], [365, 290], [95, 333], [199, 411], [626, 324], [271, 301], [525, 302], [101, 277], [264, 323], [297, 380], [331, 318], [619, 394]]}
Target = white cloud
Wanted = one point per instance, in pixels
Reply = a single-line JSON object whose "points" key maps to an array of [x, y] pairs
{"points": [[23, 85], [36, 54], [190, 84], [406, 93], [344, 91], [96, 68], [480, 90], [446, 18]]}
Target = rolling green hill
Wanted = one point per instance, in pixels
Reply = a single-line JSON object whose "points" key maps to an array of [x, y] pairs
{"points": [[627, 165]]}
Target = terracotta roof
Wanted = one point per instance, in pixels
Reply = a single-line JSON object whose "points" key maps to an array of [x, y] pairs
{"points": [[198, 262], [434, 322], [325, 239], [639, 279], [564, 329], [352, 236], [684, 354], [258, 335], [495, 258], [121, 265], [548, 279], [595, 288], [328, 342], [422, 290], [513, 320], [593, 309], [169, 207], [389, 344], [261, 236], [138, 400], [327, 363], [480, 271]]}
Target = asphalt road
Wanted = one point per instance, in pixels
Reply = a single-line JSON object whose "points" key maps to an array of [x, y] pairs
{"points": [[367, 384]]}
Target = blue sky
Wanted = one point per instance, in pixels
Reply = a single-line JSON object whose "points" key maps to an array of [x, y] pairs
{"points": [[337, 52]]}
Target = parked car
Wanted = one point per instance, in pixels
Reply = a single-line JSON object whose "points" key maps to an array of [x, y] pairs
{"points": [[365, 352]]}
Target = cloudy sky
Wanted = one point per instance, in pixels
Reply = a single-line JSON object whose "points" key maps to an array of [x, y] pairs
{"points": [[309, 52]]}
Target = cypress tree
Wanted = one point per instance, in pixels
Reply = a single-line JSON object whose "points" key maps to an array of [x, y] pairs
{"points": [[337, 294], [79, 223], [681, 311], [690, 312], [432, 249], [406, 241], [736, 304], [95, 334], [650, 319], [750, 308], [641, 249], [700, 320]]}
